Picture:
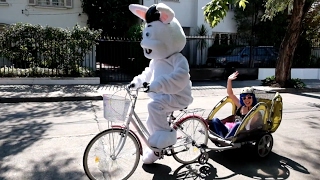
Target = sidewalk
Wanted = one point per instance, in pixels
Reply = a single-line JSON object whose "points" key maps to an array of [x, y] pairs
{"points": [[55, 93]]}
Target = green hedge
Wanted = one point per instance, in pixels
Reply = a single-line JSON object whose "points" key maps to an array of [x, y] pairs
{"points": [[54, 51]]}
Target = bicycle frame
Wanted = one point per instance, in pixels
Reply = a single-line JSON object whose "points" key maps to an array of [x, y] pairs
{"points": [[140, 127]]}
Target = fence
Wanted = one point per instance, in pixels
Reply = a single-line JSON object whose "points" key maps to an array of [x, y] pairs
{"points": [[49, 61], [234, 51], [117, 59]]}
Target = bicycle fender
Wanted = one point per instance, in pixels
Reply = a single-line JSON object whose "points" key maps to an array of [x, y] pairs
{"points": [[192, 116]]}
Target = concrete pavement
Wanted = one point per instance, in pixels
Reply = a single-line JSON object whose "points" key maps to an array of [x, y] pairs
{"points": [[46, 140]]}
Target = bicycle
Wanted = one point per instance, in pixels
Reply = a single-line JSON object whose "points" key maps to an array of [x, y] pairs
{"points": [[115, 152]]}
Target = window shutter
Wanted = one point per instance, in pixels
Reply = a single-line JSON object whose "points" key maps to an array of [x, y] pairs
{"points": [[68, 3], [32, 2]]}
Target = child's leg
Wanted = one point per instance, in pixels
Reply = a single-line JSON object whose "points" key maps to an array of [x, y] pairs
{"points": [[218, 127], [233, 129]]}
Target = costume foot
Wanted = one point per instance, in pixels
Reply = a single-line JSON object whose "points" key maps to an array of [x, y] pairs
{"points": [[149, 157], [163, 139]]}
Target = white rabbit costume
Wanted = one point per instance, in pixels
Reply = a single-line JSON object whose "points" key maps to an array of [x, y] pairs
{"points": [[167, 73]]}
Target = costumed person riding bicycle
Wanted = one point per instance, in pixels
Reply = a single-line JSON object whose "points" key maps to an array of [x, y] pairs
{"points": [[167, 75]]}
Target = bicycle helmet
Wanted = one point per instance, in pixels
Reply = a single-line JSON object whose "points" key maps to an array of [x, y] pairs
{"points": [[247, 91]]}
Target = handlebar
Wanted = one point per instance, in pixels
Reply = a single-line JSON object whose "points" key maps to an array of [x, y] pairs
{"points": [[133, 92]]}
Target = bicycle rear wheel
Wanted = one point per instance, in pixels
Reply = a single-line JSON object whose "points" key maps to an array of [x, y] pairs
{"points": [[184, 150], [111, 155]]}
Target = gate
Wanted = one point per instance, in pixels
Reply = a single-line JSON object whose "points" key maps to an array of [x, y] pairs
{"points": [[119, 60]]}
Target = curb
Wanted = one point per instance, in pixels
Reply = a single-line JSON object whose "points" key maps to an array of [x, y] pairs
{"points": [[97, 98], [49, 99], [293, 90]]}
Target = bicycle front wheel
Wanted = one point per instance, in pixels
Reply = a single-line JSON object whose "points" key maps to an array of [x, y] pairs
{"points": [[190, 131], [111, 155]]}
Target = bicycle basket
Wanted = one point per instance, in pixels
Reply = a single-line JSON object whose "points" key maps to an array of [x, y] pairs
{"points": [[115, 108]]}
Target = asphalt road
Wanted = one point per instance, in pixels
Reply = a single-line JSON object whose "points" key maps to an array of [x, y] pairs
{"points": [[46, 141]]}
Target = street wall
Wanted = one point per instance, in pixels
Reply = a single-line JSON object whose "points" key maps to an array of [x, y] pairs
{"points": [[301, 73]]}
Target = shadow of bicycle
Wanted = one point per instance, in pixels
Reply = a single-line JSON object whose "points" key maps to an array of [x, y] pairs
{"points": [[189, 171], [239, 161]]}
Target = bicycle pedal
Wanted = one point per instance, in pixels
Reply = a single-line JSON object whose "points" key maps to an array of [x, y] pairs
{"points": [[203, 146]]}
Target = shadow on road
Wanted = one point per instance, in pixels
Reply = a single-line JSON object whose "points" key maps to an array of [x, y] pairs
{"points": [[23, 124], [309, 95], [160, 171], [239, 161], [51, 168], [16, 139], [188, 171]]}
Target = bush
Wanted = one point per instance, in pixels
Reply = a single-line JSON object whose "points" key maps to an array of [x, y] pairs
{"points": [[292, 83], [36, 47], [296, 83]]}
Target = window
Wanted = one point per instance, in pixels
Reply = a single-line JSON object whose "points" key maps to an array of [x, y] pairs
{"points": [[51, 3], [261, 52]]}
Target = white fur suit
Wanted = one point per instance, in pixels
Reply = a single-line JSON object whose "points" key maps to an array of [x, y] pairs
{"points": [[167, 73]]}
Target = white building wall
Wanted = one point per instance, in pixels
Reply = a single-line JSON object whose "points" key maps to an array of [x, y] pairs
{"points": [[190, 14], [15, 11], [301, 73], [185, 10]]}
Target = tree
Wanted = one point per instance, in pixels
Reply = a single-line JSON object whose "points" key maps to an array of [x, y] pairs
{"points": [[112, 16], [216, 10], [202, 43], [265, 33]]}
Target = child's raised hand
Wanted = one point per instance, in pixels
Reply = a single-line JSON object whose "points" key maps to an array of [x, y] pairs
{"points": [[233, 76]]}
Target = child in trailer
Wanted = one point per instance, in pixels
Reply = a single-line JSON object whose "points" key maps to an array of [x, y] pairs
{"points": [[244, 104]]}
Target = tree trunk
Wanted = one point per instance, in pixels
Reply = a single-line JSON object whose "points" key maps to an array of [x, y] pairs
{"points": [[290, 42]]}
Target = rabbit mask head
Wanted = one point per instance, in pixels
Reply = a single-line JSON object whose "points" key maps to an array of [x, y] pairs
{"points": [[162, 34]]}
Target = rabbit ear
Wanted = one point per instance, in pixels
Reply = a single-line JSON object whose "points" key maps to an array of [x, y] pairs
{"points": [[138, 10], [166, 13]]}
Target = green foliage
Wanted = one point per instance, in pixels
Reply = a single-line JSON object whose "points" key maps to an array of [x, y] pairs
{"points": [[266, 33], [112, 16], [296, 83], [273, 7], [216, 10], [269, 81], [34, 46], [135, 31], [312, 21], [202, 31], [292, 83]]}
